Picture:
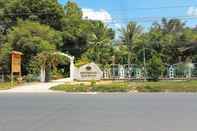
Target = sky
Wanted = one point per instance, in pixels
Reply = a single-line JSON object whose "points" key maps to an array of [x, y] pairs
{"points": [[117, 13]]}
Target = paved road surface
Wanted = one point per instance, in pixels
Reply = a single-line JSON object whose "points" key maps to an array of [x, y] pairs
{"points": [[64, 112]]}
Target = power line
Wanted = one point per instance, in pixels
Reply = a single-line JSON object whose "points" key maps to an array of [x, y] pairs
{"points": [[143, 19], [161, 7], [134, 18], [152, 19], [126, 9]]}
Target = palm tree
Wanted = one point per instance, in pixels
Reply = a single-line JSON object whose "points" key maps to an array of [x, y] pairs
{"points": [[99, 41], [47, 61], [128, 36], [172, 25]]}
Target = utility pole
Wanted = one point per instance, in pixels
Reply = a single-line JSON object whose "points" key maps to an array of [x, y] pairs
{"points": [[144, 54], [113, 66]]}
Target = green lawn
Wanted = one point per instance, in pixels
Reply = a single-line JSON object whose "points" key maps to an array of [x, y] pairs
{"points": [[168, 86], [5, 85], [162, 86]]}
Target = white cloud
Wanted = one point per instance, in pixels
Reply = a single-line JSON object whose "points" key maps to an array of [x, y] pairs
{"points": [[117, 25], [192, 11], [101, 14]]}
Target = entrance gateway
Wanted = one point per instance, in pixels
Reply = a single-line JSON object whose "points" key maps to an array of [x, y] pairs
{"points": [[72, 67], [84, 73]]}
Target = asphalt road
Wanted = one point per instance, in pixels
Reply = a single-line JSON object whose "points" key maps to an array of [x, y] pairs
{"points": [[64, 112]]}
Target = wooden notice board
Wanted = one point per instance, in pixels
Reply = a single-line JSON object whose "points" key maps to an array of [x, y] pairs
{"points": [[16, 62]]}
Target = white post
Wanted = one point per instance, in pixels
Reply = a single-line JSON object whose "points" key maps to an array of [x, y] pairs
{"points": [[72, 68], [42, 74]]}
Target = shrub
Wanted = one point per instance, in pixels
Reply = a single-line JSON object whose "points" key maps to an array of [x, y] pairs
{"points": [[155, 68], [93, 83], [31, 78]]}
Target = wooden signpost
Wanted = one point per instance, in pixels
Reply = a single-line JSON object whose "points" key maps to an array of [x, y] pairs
{"points": [[15, 64]]}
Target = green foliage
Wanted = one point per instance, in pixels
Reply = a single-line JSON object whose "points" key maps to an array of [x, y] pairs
{"points": [[100, 44], [82, 61], [6, 85], [72, 10], [2, 39], [148, 88], [71, 88], [93, 83], [168, 86], [75, 36], [48, 12], [30, 26], [115, 87], [56, 74], [129, 36], [31, 78], [162, 86], [31, 38], [5, 57], [155, 68], [48, 60], [122, 87]]}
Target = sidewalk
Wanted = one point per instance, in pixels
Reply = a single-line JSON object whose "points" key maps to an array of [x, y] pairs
{"points": [[36, 87]]}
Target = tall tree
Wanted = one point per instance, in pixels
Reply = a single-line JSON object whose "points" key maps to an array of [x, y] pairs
{"points": [[75, 30], [172, 25], [129, 34], [48, 12], [72, 10], [166, 37], [75, 36], [100, 43], [47, 60], [31, 38]]}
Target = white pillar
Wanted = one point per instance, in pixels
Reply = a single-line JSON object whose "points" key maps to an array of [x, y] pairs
{"points": [[72, 69], [42, 74]]}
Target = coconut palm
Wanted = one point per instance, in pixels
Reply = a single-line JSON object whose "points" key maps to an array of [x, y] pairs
{"points": [[47, 61], [129, 35], [100, 42]]}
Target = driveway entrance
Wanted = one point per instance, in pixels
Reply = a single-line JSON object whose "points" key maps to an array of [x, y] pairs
{"points": [[37, 87]]}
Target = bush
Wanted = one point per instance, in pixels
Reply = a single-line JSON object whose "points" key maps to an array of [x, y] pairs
{"points": [[56, 74], [31, 78], [93, 83], [155, 68]]}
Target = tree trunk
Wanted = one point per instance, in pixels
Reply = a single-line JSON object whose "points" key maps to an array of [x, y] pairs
{"points": [[48, 75], [129, 62]]}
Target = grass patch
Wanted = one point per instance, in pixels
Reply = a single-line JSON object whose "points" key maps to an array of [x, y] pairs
{"points": [[162, 86], [168, 86], [6, 85], [114, 87], [71, 88]]}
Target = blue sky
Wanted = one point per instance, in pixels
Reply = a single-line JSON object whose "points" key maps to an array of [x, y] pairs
{"points": [[118, 12]]}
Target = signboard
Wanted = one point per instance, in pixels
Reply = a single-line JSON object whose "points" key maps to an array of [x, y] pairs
{"points": [[16, 62], [89, 72]]}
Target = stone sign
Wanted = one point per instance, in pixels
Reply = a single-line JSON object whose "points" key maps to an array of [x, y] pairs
{"points": [[88, 72]]}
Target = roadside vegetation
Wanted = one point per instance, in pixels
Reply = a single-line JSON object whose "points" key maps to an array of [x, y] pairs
{"points": [[162, 86], [6, 85], [37, 27]]}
